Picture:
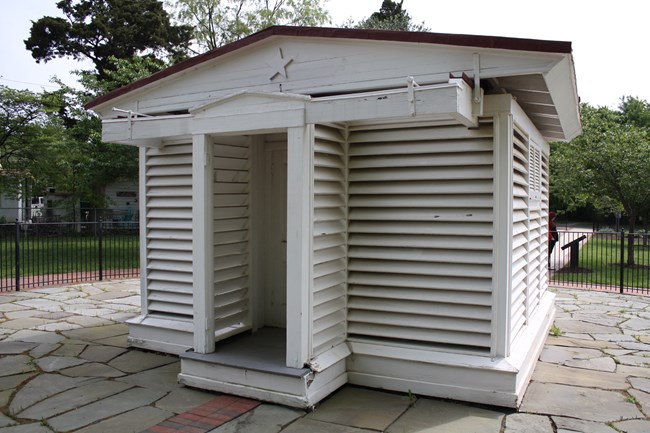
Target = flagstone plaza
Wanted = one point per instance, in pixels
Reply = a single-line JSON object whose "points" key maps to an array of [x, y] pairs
{"points": [[65, 367]]}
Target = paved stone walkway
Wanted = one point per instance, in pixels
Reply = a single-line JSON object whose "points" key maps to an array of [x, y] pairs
{"points": [[65, 367]]}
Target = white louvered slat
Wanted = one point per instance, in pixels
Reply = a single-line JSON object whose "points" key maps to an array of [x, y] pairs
{"points": [[168, 202], [420, 235], [329, 240], [231, 232]]}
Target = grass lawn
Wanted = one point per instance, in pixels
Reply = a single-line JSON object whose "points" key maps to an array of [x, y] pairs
{"points": [[67, 254], [600, 260]]}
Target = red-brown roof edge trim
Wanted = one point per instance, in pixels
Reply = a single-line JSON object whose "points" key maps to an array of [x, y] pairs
{"points": [[495, 42]]}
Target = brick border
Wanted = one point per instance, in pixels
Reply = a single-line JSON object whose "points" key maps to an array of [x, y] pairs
{"points": [[206, 417]]}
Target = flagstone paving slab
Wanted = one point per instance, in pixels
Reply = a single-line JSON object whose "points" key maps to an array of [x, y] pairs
{"points": [[265, 418], [525, 423], [15, 365], [573, 401], [579, 327], [183, 399], [10, 382], [633, 360], [70, 349], [75, 398], [640, 383], [554, 373], [6, 421], [97, 332], [559, 354], [101, 353], [111, 406], [604, 363], [89, 322], [133, 421], [36, 427], [24, 323], [135, 361], [34, 336], [118, 341], [572, 425], [642, 399], [15, 347], [44, 349], [444, 417], [361, 408], [633, 426], [163, 378], [42, 387], [92, 369], [305, 425], [55, 363], [58, 326]]}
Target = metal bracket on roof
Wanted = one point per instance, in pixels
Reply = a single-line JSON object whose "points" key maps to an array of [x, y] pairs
{"points": [[411, 94], [477, 78], [130, 114]]}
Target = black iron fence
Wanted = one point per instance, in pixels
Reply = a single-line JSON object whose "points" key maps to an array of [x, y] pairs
{"points": [[40, 254], [617, 261]]}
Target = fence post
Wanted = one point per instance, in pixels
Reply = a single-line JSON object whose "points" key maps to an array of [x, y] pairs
{"points": [[622, 269], [101, 256], [17, 256]]}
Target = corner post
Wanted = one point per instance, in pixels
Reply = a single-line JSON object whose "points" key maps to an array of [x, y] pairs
{"points": [[299, 243], [502, 257], [203, 243]]}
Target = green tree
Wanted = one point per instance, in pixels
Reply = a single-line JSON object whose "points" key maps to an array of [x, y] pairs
{"points": [[28, 130], [84, 163], [101, 29], [391, 16], [219, 22], [608, 165]]}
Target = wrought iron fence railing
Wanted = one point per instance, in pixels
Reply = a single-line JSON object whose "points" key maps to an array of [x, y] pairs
{"points": [[40, 254], [602, 260]]}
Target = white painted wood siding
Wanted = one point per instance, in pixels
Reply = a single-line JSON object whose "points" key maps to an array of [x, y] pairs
{"points": [[330, 239], [420, 236], [168, 203], [231, 233]]}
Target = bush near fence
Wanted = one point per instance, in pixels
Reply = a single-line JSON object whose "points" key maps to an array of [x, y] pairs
{"points": [[38, 254]]}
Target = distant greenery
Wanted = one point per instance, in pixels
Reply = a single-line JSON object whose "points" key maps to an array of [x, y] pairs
{"points": [[600, 260]]}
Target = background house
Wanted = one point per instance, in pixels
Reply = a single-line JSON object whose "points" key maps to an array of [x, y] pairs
{"points": [[322, 206]]}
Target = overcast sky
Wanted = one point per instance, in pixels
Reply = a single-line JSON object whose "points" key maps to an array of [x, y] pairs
{"points": [[610, 38]]}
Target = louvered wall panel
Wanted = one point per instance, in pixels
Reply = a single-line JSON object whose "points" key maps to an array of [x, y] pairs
{"points": [[420, 236], [330, 239], [538, 279], [231, 233], [520, 234], [169, 231]]}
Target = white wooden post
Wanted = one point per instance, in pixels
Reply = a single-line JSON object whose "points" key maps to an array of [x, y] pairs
{"points": [[502, 251], [203, 243], [299, 243], [142, 206]]}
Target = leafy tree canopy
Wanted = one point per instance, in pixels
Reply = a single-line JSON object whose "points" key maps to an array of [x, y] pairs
{"points": [[391, 16], [101, 29], [219, 22], [608, 165], [27, 129]]}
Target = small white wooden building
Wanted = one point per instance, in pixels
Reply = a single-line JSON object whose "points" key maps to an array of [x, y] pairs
{"points": [[326, 206]]}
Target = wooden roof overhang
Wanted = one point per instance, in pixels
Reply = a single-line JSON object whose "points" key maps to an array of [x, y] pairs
{"points": [[257, 112], [548, 95]]}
